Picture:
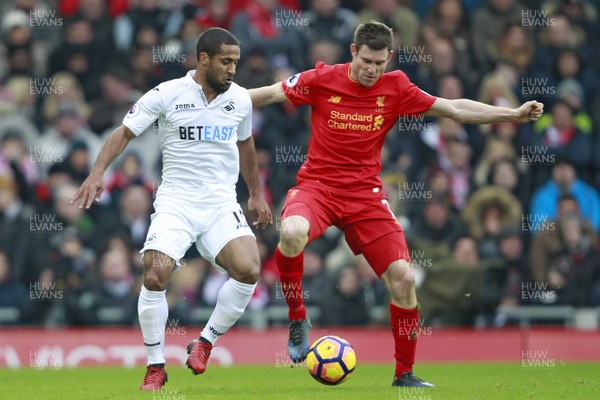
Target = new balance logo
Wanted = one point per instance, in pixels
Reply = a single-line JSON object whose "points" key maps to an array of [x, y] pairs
{"points": [[335, 99]]}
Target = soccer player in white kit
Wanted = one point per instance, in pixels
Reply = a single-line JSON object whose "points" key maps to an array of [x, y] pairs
{"points": [[204, 123]]}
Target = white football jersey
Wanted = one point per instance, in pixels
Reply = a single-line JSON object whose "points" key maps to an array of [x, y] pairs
{"points": [[197, 139]]}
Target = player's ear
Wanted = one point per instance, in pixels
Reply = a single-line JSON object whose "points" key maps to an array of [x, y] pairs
{"points": [[390, 55], [203, 59], [353, 50]]}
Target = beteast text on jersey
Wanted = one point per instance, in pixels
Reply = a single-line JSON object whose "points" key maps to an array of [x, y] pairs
{"points": [[216, 133]]}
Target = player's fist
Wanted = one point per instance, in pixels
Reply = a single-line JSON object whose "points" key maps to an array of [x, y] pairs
{"points": [[530, 111]]}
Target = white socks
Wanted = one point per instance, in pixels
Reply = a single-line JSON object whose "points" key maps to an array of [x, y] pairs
{"points": [[153, 312], [232, 300]]}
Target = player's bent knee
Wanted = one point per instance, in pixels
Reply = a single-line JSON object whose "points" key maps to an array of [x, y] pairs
{"points": [[154, 281], [294, 235], [249, 274]]}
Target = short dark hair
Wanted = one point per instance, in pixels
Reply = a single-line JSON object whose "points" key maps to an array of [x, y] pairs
{"points": [[211, 40], [374, 34]]}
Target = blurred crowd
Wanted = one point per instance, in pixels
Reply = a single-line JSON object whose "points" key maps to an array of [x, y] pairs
{"points": [[495, 216]]}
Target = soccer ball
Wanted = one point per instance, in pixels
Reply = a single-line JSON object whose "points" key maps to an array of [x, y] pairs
{"points": [[331, 360]]}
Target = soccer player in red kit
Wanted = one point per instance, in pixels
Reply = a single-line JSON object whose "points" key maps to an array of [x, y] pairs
{"points": [[354, 105]]}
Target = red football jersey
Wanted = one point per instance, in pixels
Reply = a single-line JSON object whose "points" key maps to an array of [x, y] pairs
{"points": [[349, 122]]}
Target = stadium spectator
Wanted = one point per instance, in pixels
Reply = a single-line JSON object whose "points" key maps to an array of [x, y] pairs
{"points": [[15, 159], [516, 47], [78, 56], [458, 167], [501, 280], [553, 41], [328, 21], [15, 240], [561, 140], [435, 229], [489, 21], [397, 16], [505, 173], [135, 207], [573, 271], [456, 304], [256, 70], [488, 210], [260, 24], [144, 13], [344, 302], [117, 97], [548, 243], [130, 172], [66, 129], [97, 13], [63, 91], [112, 300], [13, 293], [495, 150]]}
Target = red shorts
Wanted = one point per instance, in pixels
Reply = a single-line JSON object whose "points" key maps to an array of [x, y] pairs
{"points": [[369, 225]]}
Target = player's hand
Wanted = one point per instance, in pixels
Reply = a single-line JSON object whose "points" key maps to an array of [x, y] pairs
{"points": [[90, 190], [530, 111], [262, 212]]}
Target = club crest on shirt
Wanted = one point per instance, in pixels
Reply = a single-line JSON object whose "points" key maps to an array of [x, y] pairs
{"points": [[135, 110], [228, 108], [380, 103], [292, 80]]}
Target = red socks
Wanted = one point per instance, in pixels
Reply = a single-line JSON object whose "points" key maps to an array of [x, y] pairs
{"points": [[405, 326], [290, 275]]}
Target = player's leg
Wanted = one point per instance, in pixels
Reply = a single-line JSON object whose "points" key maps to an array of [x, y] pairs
{"points": [[169, 236], [389, 258], [231, 247], [374, 231], [305, 215], [153, 312]]}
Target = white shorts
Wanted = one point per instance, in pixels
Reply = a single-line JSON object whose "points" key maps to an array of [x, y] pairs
{"points": [[176, 225]]}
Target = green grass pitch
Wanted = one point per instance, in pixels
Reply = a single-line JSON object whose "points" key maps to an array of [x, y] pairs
{"points": [[465, 381]]}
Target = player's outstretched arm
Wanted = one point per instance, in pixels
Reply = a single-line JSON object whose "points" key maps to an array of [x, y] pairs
{"points": [[93, 186], [249, 169], [267, 95], [473, 112]]}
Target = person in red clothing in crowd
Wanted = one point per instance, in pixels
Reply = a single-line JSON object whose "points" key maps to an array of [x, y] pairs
{"points": [[354, 105]]}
